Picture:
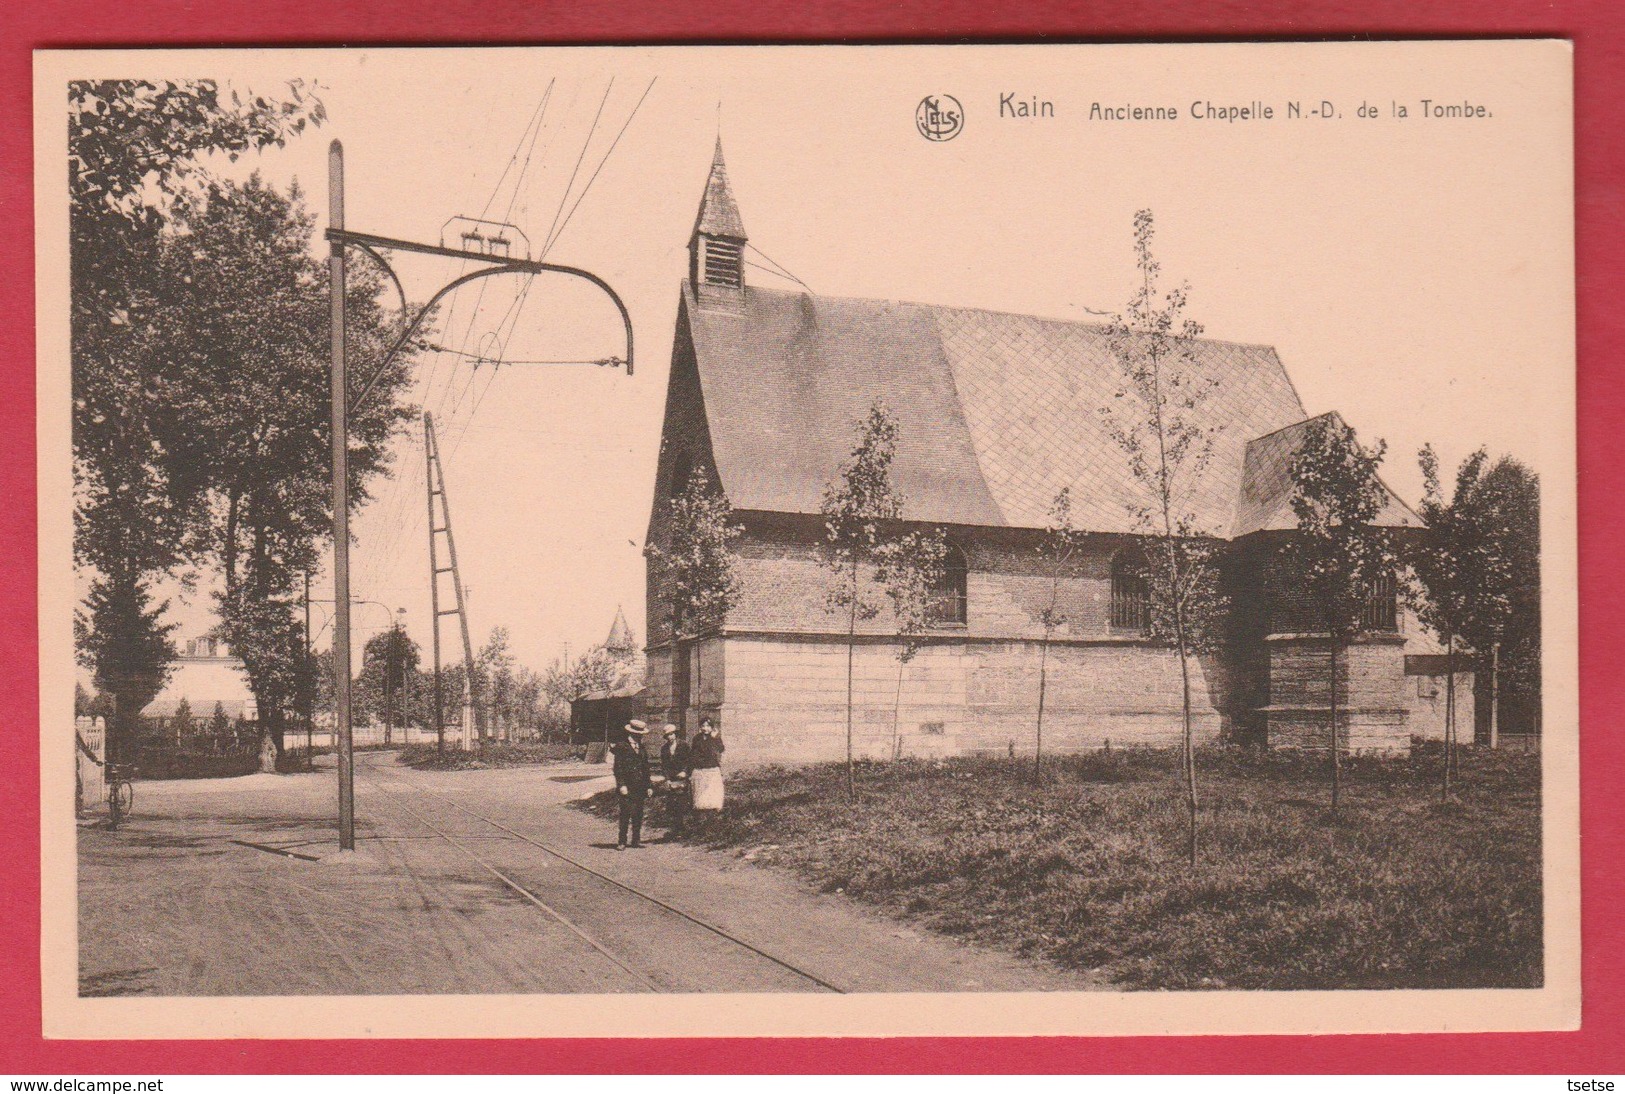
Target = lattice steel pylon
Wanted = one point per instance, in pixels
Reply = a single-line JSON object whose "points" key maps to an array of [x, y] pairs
{"points": [[435, 479]]}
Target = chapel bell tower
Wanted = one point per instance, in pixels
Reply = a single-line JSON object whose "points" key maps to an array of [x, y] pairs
{"points": [[716, 252]]}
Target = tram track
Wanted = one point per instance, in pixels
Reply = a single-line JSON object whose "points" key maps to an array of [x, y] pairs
{"points": [[458, 841]]}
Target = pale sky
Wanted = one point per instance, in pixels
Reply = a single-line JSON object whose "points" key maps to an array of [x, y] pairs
{"points": [[1414, 275]]}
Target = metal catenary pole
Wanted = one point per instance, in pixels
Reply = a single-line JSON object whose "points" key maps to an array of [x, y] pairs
{"points": [[341, 507], [434, 584], [310, 688], [438, 472]]}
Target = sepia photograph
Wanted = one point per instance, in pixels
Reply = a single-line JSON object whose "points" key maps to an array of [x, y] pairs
{"points": [[862, 539]]}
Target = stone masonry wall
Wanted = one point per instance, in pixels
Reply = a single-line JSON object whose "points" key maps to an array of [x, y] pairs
{"points": [[1374, 710], [786, 699]]}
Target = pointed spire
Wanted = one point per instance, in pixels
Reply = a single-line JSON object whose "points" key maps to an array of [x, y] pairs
{"points": [[719, 213], [620, 635]]}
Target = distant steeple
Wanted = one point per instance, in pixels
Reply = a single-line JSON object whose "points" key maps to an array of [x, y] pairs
{"points": [[716, 251], [620, 642]]}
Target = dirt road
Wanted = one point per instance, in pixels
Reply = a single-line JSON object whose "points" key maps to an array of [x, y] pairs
{"points": [[466, 882]]}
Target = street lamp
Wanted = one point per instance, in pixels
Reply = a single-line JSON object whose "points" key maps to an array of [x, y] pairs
{"points": [[496, 260], [397, 648]]}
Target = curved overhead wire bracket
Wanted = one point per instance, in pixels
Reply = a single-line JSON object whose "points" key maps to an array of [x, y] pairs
{"points": [[499, 265]]}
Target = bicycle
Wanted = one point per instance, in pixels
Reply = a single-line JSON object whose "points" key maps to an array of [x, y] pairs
{"points": [[120, 793]]}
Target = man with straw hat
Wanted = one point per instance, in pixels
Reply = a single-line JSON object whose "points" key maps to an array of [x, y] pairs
{"points": [[631, 782]]}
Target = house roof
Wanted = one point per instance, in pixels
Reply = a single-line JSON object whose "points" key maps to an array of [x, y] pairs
{"points": [[719, 213], [631, 690], [996, 412], [1265, 500]]}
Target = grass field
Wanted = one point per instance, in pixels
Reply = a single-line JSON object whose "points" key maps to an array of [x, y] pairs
{"points": [[1089, 870]]}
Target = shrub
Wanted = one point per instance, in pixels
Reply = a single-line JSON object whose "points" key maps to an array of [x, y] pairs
{"points": [[492, 754]]}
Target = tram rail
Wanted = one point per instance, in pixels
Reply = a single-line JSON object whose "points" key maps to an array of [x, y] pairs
{"points": [[581, 932]]}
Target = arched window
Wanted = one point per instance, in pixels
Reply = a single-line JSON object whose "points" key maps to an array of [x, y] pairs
{"points": [[1381, 609], [1129, 610], [949, 602]]}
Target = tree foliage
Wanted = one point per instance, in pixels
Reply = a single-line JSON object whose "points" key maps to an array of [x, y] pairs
{"points": [[245, 314], [133, 148], [1477, 572], [1446, 568], [1056, 550], [861, 510], [1338, 552], [121, 637], [910, 568], [386, 689], [494, 668], [697, 561], [1157, 419], [1510, 496]]}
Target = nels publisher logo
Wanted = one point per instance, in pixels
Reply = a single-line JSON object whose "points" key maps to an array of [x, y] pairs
{"points": [[939, 117]]}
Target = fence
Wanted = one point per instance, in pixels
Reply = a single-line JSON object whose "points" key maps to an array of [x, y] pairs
{"points": [[89, 753]]}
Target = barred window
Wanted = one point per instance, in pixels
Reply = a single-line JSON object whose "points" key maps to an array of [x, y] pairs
{"points": [[1129, 609], [1381, 609], [949, 597]]}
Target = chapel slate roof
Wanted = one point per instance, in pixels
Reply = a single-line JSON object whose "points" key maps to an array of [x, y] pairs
{"points": [[996, 412], [1265, 500]]}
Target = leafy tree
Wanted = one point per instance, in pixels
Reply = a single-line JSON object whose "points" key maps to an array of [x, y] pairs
{"points": [[1449, 567], [566, 681], [1501, 510], [244, 317], [388, 662], [85, 704], [133, 147], [495, 664], [1337, 552], [1477, 579], [528, 700], [1060, 544], [910, 569], [219, 725], [860, 509], [1156, 418], [127, 648], [696, 560], [182, 724], [244, 733]]}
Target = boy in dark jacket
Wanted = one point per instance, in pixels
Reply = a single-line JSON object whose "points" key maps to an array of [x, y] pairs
{"points": [[631, 782]]}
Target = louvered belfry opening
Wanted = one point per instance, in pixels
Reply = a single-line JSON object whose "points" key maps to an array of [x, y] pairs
{"points": [[724, 263]]}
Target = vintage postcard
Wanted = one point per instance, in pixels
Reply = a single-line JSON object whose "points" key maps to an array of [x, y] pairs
{"points": [[1012, 540]]}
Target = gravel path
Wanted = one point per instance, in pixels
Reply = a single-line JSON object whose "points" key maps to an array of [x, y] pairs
{"points": [[191, 897]]}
